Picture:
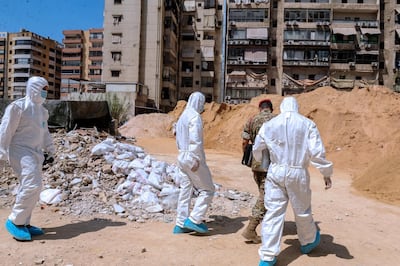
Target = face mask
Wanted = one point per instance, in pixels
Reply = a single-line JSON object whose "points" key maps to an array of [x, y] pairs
{"points": [[43, 93]]}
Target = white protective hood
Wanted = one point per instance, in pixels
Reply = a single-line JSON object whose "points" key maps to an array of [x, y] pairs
{"points": [[34, 88]]}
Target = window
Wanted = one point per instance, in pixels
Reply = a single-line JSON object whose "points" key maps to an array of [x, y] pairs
{"points": [[165, 93], [116, 37], [116, 56], [95, 54], [248, 15], [187, 67], [117, 2], [207, 66], [96, 35], [187, 82], [117, 19], [207, 82], [115, 73], [96, 72], [272, 82]]}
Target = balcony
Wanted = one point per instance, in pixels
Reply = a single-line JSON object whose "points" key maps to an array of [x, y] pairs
{"points": [[323, 62]]}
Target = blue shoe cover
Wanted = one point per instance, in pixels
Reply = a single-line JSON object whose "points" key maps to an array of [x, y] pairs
{"points": [[35, 231], [181, 230], [199, 228], [309, 247], [267, 263], [18, 232]]}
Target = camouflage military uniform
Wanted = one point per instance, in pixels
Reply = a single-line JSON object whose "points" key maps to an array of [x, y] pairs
{"points": [[250, 132]]}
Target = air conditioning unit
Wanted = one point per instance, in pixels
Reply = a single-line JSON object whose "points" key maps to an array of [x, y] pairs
{"points": [[232, 23], [374, 64], [352, 64], [239, 58], [258, 42]]}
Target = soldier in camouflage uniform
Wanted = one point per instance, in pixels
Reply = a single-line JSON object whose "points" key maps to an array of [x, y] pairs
{"points": [[250, 131]]}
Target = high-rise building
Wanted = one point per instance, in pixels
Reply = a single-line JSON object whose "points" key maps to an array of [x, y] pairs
{"points": [[82, 59], [140, 52], [233, 50], [24, 54], [248, 51], [199, 66]]}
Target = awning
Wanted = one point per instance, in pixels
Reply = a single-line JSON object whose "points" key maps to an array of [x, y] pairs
{"points": [[397, 10], [237, 73], [398, 32], [344, 31], [370, 31], [189, 5], [374, 52], [257, 33]]}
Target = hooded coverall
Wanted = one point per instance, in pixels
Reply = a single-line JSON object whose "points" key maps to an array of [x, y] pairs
{"points": [[24, 136], [293, 142], [189, 140]]}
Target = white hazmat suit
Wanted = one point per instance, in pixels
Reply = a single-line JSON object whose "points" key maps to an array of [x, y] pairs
{"points": [[293, 142], [192, 162], [24, 136]]}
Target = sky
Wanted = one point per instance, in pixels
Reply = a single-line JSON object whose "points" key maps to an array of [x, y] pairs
{"points": [[49, 18]]}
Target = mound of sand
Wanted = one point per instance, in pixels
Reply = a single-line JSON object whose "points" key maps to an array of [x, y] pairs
{"points": [[360, 130]]}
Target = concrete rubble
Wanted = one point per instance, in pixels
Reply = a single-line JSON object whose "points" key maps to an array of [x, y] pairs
{"points": [[96, 173]]}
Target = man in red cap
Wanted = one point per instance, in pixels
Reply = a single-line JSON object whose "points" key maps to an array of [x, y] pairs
{"points": [[259, 169]]}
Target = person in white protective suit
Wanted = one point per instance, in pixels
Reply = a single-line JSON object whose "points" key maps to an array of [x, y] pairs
{"points": [[293, 142], [195, 173], [24, 137]]}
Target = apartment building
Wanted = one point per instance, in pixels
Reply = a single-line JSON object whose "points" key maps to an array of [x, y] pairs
{"points": [[390, 43], [140, 52], [200, 41], [24, 54], [3, 65], [248, 50], [233, 50], [82, 59]]}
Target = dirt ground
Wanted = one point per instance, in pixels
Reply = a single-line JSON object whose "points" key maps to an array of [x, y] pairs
{"points": [[354, 230], [358, 217]]}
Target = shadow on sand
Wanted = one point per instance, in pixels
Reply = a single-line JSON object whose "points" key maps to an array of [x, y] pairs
{"points": [[74, 229]]}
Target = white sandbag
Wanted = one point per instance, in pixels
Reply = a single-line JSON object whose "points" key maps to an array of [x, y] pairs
{"points": [[137, 163], [120, 166], [51, 196], [155, 180], [128, 156], [148, 198], [102, 148]]}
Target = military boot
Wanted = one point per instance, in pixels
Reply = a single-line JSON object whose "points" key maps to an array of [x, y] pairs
{"points": [[250, 232]]}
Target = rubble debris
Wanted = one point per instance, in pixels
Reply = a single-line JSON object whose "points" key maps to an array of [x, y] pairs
{"points": [[96, 173]]}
